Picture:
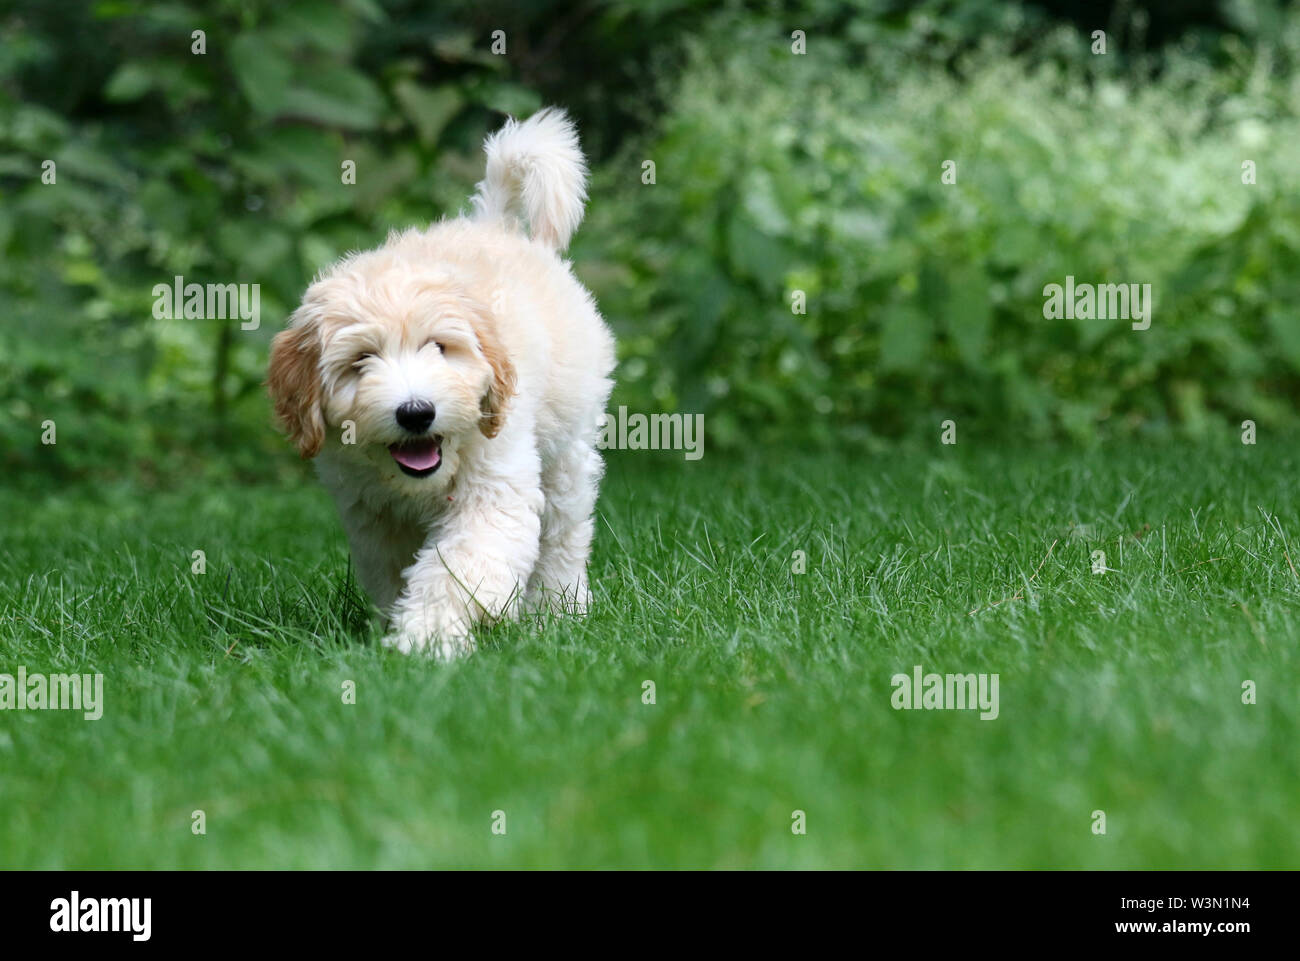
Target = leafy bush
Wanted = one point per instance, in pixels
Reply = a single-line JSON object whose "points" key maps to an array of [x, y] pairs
{"points": [[221, 167], [779, 173], [775, 173]]}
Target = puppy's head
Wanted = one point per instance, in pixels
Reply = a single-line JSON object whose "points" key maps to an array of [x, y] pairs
{"points": [[392, 364]]}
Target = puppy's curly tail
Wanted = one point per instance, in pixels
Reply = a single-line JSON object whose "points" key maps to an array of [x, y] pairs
{"points": [[536, 166]]}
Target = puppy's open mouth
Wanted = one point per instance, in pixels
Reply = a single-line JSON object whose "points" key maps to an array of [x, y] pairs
{"points": [[418, 458]]}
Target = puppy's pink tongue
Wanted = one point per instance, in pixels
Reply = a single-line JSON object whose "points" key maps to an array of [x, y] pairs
{"points": [[417, 455]]}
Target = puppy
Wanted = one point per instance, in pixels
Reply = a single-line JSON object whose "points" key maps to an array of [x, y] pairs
{"points": [[450, 385]]}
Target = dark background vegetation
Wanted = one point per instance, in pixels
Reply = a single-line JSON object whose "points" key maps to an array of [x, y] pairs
{"points": [[774, 172]]}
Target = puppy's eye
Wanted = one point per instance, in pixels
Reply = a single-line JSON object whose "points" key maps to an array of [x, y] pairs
{"points": [[360, 361], [442, 348]]}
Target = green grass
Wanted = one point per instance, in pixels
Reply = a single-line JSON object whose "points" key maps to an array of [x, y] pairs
{"points": [[1119, 692]]}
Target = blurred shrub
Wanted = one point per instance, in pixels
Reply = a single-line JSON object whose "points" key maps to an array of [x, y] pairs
{"points": [[222, 167], [225, 167], [775, 173], [820, 173]]}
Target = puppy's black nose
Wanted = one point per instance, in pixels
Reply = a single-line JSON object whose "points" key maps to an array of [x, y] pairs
{"points": [[415, 416]]}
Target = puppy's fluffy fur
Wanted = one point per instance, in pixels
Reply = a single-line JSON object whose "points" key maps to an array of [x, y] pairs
{"points": [[488, 507]]}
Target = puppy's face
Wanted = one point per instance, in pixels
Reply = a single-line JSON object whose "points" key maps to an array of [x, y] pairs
{"points": [[399, 367]]}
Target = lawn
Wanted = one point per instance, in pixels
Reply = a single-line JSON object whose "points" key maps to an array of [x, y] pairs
{"points": [[1119, 691]]}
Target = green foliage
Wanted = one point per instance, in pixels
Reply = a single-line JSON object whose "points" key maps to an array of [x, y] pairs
{"points": [[222, 167], [778, 173], [775, 173]]}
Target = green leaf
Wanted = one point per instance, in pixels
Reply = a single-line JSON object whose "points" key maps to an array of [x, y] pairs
{"points": [[321, 24], [756, 255], [904, 337], [131, 81], [508, 98], [758, 196], [294, 150], [253, 244], [262, 71], [967, 314], [1284, 323], [429, 110], [337, 97]]}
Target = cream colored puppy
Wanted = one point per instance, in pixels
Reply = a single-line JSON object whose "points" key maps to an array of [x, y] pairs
{"points": [[450, 384]]}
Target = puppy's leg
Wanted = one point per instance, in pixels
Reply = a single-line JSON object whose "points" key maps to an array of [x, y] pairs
{"points": [[472, 569], [381, 550], [571, 484]]}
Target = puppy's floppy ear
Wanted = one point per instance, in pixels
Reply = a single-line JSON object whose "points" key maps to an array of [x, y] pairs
{"points": [[502, 386], [293, 382]]}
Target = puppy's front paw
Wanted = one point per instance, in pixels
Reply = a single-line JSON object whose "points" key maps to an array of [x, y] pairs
{"points": [[413, 640]]}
